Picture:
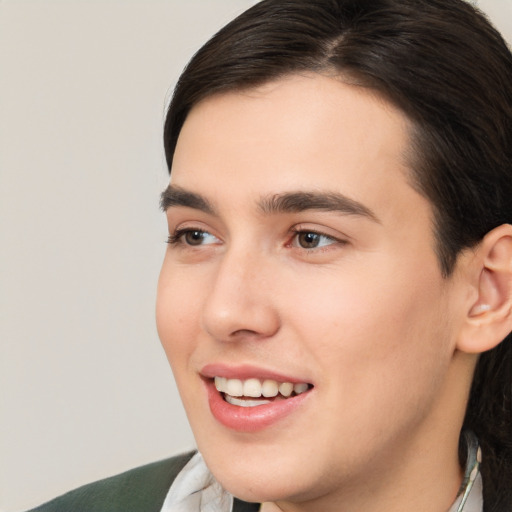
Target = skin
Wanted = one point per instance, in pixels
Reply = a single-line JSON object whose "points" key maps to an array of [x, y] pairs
{"points": [[366, 317]]}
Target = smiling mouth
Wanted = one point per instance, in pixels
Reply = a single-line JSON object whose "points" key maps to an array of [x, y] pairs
{"points": [[255, 392]]}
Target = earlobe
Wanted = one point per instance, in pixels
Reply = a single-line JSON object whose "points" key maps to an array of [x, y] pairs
{"points": [[489, 317]]}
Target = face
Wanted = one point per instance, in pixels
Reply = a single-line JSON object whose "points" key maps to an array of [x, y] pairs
{"points": [[301, 266]]}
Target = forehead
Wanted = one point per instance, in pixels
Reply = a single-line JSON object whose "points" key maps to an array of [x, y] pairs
{"points": [[307, 132]]}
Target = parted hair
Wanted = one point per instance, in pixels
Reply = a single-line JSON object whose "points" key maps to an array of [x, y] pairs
{"points": [[445, 66]]}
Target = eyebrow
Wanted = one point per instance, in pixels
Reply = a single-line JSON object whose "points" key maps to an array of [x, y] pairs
{"points": [[177, 196], [288, 202], [293, 202]]}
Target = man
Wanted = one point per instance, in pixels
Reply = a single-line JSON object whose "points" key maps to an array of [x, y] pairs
{"points": [[338, 283]]}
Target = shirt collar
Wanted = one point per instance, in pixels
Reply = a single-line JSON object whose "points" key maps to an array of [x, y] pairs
{"points": [[196, 490], [470, 498]]}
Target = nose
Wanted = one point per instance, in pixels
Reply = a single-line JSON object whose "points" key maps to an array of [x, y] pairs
{"points": [[239, 304]]}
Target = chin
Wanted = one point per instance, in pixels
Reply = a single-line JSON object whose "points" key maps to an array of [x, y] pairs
{"points": [[256, 486], [262, 473]]}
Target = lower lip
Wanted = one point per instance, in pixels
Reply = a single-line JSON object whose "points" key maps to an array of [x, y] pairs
{"points": [[250, 419]]}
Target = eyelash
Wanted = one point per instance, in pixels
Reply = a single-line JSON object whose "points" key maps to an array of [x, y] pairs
{"points": [[297, 232], [177, 238]]}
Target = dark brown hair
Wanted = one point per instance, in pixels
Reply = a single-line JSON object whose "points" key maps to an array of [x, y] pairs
{"points": [[450, 71]]}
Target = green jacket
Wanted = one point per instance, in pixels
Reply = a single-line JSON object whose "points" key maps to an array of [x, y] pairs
{"points": [[142, 489]]}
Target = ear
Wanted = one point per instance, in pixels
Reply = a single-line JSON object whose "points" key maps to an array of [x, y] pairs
{"points": [[489, 317]]}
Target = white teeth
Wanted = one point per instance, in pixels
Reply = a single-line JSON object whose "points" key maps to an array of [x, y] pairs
{"points": [[286, 388], [220, 383], [269, 388], [245, 403], [300, 388], [234, 387], [254, 388]]}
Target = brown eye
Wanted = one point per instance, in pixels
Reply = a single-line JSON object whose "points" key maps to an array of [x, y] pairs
{"points": [[194, 237], [313, 240], [308, 240]]}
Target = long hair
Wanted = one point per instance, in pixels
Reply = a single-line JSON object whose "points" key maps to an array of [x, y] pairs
{"points": [[444, 65]]}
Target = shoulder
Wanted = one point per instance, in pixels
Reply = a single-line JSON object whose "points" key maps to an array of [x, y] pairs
{"points": [[142, 489]]}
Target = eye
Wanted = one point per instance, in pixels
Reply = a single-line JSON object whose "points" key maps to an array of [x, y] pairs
{"points": [[312, 240], [192, 237]]}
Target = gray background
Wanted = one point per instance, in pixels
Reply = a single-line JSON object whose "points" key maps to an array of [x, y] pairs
{"points": [[85, 389]]}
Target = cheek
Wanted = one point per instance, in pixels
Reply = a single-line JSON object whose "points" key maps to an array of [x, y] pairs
{"points": [[376, 332], [178, 322], [177, 317]]}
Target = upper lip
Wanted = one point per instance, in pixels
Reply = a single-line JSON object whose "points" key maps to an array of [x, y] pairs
{"points": [[246, 371]]}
